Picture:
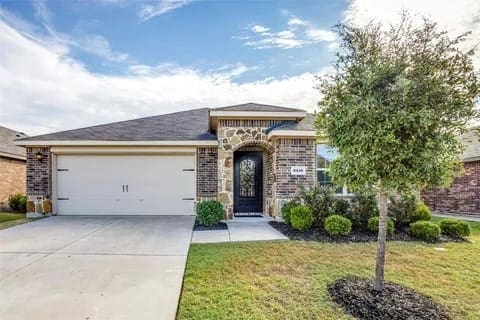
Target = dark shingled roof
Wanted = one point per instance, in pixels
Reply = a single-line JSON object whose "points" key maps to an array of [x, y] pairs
{"points": [[184, 125], [7, 148], [257, 107], [306, 124]]}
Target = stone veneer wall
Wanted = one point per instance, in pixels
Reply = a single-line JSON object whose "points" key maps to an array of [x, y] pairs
{"points": [[294, 152], [231, 139], [39, 173], [279, 155], [463, 196], [12, 178], [207, 165]]}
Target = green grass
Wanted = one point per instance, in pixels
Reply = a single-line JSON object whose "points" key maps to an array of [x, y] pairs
{"points": [[8, 219], [288, 279]]}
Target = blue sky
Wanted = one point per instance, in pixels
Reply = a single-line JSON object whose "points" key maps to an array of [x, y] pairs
{"points": [[205, 35], [68, 64]]}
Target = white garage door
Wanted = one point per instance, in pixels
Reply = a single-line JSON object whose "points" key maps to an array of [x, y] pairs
{"points": [[125, 184]]}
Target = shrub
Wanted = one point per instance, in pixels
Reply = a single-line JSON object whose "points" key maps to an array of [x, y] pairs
{"points": [[422, 213], [337, 225], [402, 208], [286, 208], [18, 202], [321, 201], [374, 222], [210, 212], [454, 228], [301, 217], [362, 208], [425, 230], [341, 206]]}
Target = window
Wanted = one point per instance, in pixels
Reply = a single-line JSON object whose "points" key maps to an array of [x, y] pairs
{"points": [[325, 156], [247, 178]]}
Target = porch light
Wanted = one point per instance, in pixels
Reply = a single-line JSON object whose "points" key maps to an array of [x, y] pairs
{"points": [[39, 156]]}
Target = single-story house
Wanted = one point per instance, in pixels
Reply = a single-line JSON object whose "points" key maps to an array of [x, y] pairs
{"points": [[463, 196], [12, 165], [251, 157]]}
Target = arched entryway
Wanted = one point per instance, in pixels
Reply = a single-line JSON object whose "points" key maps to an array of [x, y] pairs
{"points": [[247, 182], [252, 178]]}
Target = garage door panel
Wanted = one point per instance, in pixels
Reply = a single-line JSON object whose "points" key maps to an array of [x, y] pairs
{"points": [[126, 185]]}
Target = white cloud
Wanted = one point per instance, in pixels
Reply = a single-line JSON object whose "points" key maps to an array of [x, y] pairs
{"points": [[454, 16], [42, 90], [60, 42], [319, 35], [257, 28], [149, 11], [99, 46], [297, 22], [298, 34]]}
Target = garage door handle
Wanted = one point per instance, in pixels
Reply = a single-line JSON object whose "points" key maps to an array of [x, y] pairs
{"points": [[123, 187], [188, 199], [127, 187]]}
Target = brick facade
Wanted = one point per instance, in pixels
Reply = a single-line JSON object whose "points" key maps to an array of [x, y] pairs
{"points": [[207, 158], [463, 196], [214, 169], [12, 178], [39, 173], [294, 152]]}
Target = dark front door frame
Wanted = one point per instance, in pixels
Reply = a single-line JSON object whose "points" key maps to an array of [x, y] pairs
{"points": [[248, 204]]}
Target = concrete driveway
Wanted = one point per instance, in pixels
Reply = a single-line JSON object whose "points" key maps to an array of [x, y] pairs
{"points": [[94, 267]]}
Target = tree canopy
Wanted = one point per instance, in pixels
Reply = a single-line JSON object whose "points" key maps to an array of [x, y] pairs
{"points": [[395, 105]]}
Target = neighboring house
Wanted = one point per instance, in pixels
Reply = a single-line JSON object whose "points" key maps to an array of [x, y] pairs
{"points": [[463, 196], [251, 157], [12, 165]]}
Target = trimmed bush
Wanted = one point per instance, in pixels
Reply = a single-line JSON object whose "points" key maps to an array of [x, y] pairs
{"points": [[374, 222], [337, 225], [18, 202], [422, 213], [425, 230], [210, 212], [320, 200], [362, 208], [454, 228], [301, 218], [341, 206], [286, 208]]}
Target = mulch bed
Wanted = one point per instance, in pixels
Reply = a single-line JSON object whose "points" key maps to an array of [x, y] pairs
{"points": [[219, 226], [359, 299], [320, 235]]}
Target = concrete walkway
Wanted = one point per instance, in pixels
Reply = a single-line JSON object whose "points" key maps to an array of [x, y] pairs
{"points": [[94, 267], [457, 216], [240, 229]]}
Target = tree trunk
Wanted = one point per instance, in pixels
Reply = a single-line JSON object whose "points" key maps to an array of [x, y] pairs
{"points": [[382, 239]]}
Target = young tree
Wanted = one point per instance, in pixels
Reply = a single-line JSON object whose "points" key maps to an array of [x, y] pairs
{"points": [[394, 107]]}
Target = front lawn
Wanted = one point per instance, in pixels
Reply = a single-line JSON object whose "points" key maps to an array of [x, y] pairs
{"points": [[8, 219], [288, 279]]}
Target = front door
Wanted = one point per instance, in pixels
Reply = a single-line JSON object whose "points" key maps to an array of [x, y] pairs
{"points": [[248, 180]]}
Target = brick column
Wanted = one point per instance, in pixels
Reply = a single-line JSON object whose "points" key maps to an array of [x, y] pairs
{"points": [[39, 173]]}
